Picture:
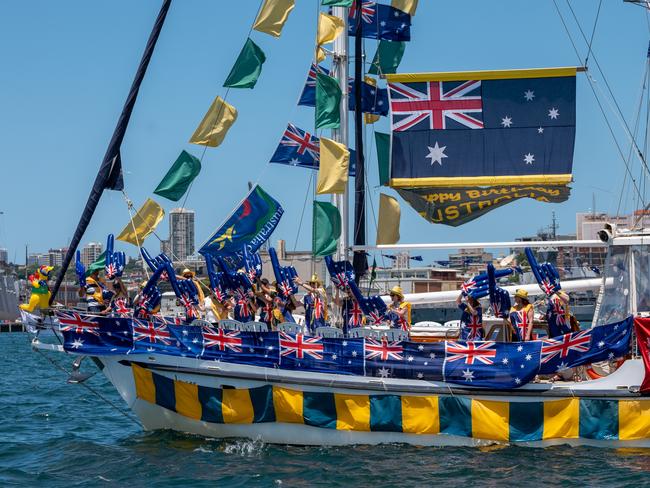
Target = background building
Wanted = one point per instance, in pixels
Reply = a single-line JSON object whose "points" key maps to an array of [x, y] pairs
{"points": [[4, 256], [181, 234], [90, 253]]}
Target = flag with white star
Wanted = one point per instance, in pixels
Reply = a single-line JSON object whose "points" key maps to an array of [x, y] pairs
{"points": [[466, 143], [515, 127], [602, 343], [412, 360], [380, 21], [491, 364], [93, 335], [321, 354]]}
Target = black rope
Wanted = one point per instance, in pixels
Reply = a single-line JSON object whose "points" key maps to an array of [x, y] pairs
{"points": [[593, 32]]}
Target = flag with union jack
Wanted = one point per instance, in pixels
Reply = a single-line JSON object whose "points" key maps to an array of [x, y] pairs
{"points": [[491, 364], [94, 335], [300, 148], [411, 360], [324, 354], [379, 21], [602, 343], [153, 335]]}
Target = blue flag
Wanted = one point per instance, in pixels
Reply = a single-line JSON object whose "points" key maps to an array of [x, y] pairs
{"points": [[250, 224], [483, 128], [601, 343], [300, 148], [373, 100], [380, 21]]}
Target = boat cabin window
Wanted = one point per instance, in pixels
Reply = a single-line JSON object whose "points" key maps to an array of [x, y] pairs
{"points": [[615, 300]]}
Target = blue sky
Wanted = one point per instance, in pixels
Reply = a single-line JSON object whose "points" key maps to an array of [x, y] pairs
{"points": [[67, 67]]}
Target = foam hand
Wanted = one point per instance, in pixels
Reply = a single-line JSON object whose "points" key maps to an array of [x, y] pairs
{"points": [[115, 261], [80, 269]]}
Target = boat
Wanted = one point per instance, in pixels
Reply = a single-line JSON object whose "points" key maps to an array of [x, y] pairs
{"points": [[324, 389]]}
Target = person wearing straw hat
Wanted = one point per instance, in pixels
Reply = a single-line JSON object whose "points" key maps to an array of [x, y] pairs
{"points": [[314, 301], [188, 274], [521, 316], [400, 311]]}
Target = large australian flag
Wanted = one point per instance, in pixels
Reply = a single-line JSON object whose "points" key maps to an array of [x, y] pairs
{"points": [[483, 128]]}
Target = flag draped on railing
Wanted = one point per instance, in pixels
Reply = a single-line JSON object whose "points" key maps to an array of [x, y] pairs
{"points": [[483, 364]]}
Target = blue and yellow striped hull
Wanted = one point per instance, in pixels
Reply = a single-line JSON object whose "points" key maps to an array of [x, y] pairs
{"points": [[396, 417]]}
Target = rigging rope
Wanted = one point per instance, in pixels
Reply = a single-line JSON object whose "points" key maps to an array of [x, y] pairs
{"points": [[592, 84]]}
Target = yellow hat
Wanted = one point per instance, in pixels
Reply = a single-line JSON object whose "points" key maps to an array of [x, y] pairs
{"points": [[521, 293], [314, 279], [187, 271], [396, 290]]}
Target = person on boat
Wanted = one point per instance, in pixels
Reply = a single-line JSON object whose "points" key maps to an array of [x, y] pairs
{"points": [[214, 310], [521, 317], [244, 305], [558, 315], [188, 274], [94, 306], [471, 319], [399, 310], [314, 301], [264, 300], [119, 303], [98, 285], [350, 311], [283, 309]]}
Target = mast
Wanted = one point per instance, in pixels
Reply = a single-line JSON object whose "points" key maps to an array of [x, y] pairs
{"points": [[340, 68], [360, 263], [109, 176]]}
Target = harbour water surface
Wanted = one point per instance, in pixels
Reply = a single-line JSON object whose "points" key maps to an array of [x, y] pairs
{"points": [[56, 434]]}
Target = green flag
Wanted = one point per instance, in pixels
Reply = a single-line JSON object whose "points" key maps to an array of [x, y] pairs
{"points": [[382, 141], [326, 228], [387, 58], [328, 99], [337, 3], [177, 180], [247, 68], [97, 265]]}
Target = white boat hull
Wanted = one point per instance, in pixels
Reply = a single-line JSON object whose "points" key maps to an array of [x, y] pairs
{"points": [[614, 388]]}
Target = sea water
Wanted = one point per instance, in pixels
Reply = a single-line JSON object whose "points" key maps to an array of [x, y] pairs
{"points": [[58, 434]]}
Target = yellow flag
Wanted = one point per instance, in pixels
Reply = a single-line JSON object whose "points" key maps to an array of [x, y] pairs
{"points": [[389, 214], [333, 171], [371, 118], [329, 28], [144, 222], [273, 15], [215, 124], [408, 6]]}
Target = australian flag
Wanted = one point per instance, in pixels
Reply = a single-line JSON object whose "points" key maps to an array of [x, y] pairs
{"points": [[491, 364], [322, 354], [300, 148], [601, 343], [87, 334], [373, 100], [484, 128], [341, 272], [412, 360], [380, 22]]}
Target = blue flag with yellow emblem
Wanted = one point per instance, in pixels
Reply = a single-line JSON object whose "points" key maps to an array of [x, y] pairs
{"points": [[250, 225]]}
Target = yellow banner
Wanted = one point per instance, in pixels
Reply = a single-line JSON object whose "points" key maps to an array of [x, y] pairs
{"points": [[215, 124], [273, 15], [408, 6], [333, 170], [483, 75], [143, 223], [329, 28], [389, 217]]}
